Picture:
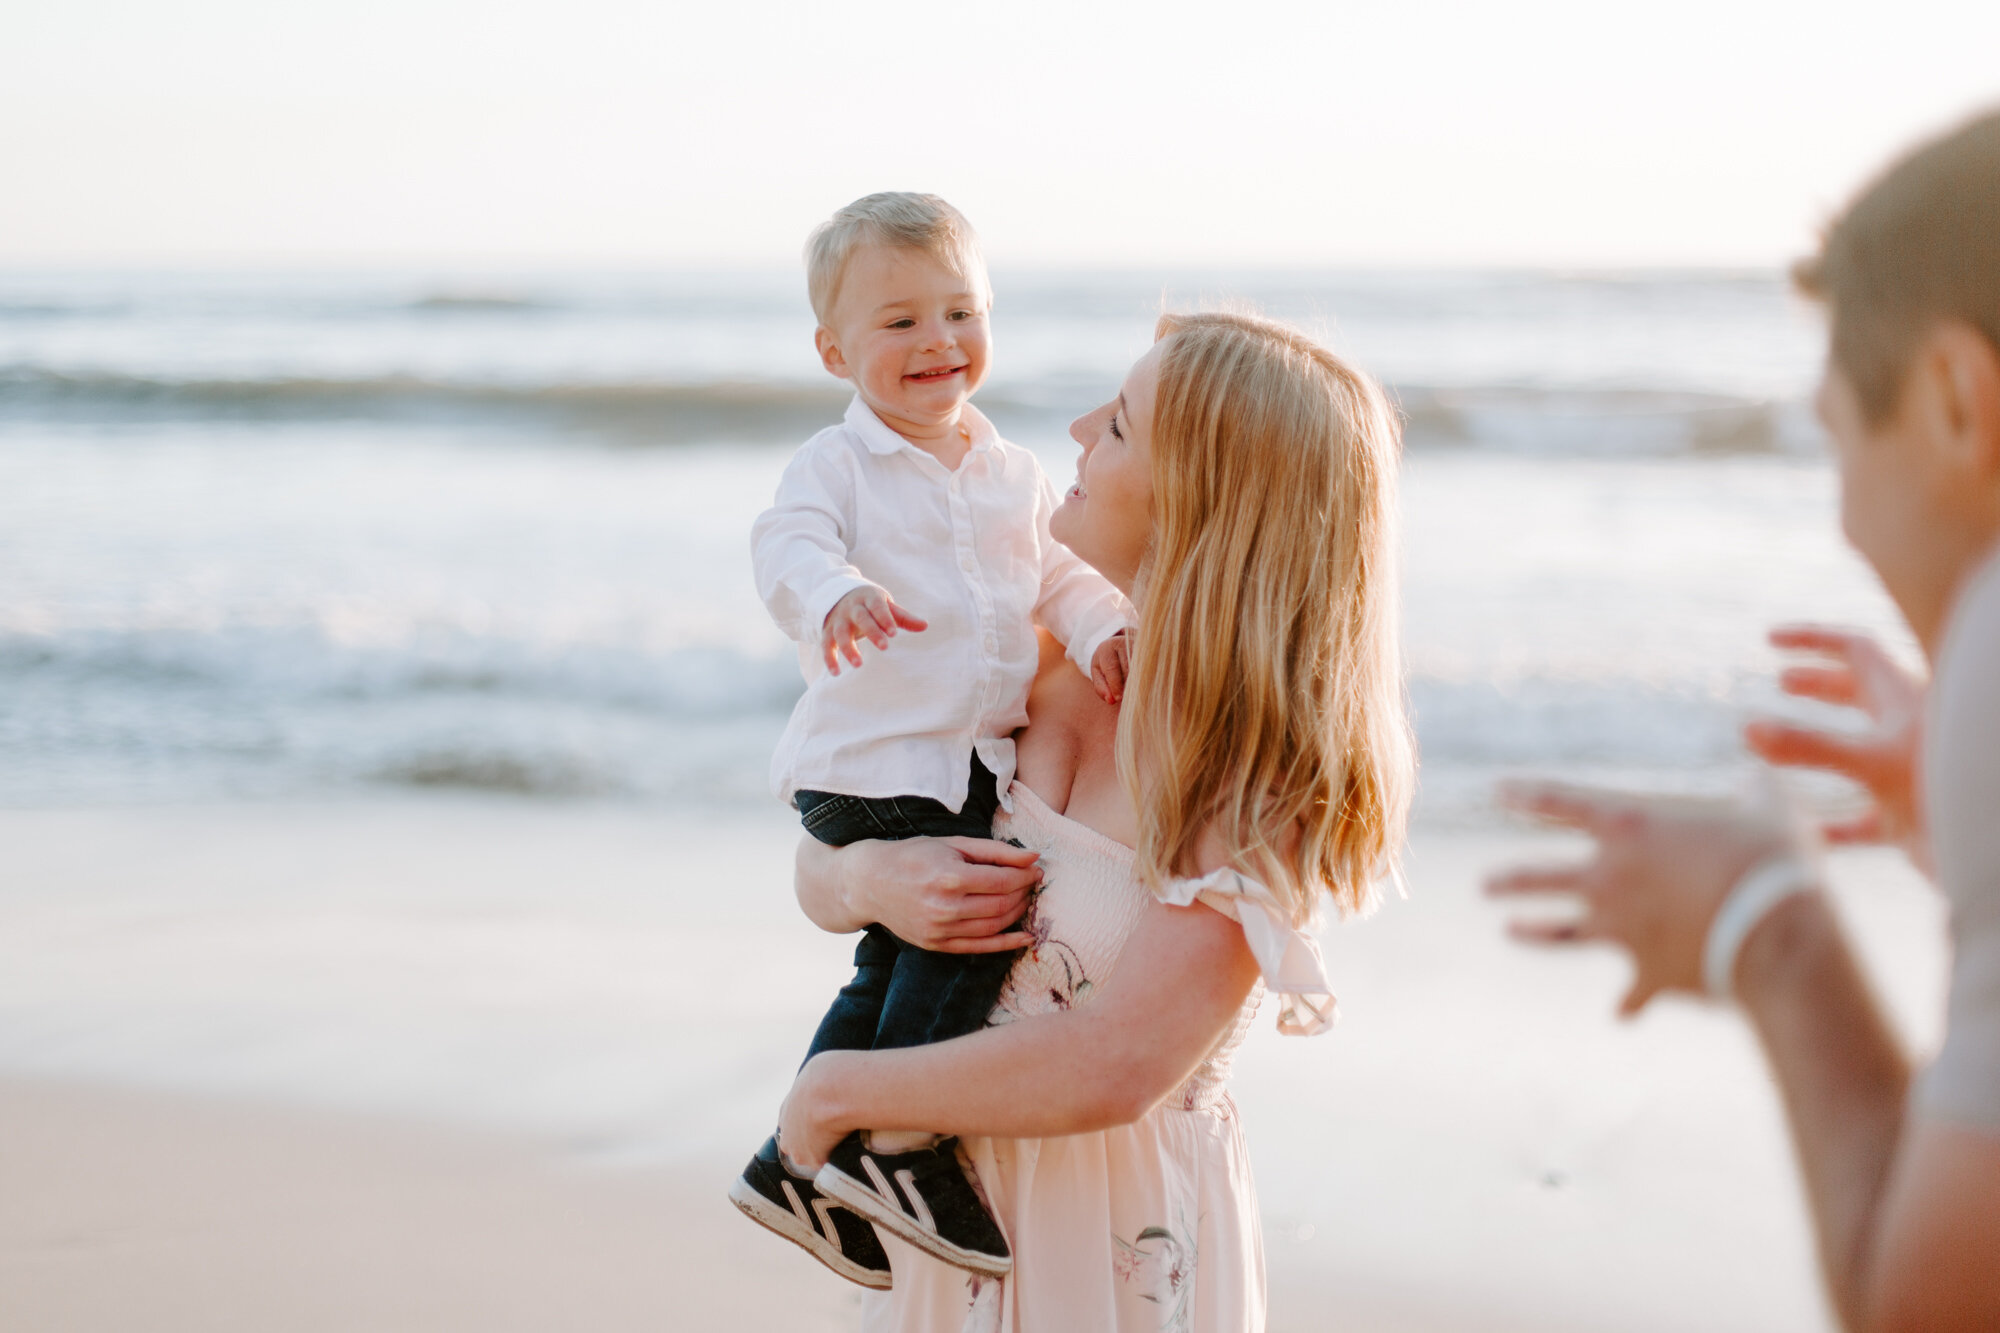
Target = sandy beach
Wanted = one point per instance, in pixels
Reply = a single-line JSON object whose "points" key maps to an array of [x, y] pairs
{"points": [[123, 1210], [455, 1064]]}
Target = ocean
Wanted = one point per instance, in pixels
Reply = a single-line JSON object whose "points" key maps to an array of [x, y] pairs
{"points": [[302, 535]]}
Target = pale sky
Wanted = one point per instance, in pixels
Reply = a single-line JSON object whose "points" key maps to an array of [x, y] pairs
{"points": [[1248, 132]]}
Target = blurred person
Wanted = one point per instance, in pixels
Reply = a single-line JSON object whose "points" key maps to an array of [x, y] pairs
{"points": [[1241, 489], [1901, 1165], [912, 516]]}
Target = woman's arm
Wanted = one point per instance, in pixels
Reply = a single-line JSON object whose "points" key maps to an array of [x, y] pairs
{"points": [[1180, 981], [949, 895]]}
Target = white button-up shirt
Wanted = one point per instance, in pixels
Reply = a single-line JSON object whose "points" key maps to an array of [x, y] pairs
{"points": [[969, 551]]}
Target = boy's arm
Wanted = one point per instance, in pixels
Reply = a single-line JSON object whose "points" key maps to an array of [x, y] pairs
{"points": [[798, 547], [1077, 604]]}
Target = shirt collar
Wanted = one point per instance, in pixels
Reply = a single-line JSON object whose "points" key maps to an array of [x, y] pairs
{"points": [[861, 419]]}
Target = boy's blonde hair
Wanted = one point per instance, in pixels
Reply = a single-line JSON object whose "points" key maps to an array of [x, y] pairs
{"points": [[896, 217], [1266, 706]]}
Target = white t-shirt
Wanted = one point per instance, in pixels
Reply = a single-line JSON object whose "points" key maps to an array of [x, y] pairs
{"points": [[1961, 775], [967, 550]]}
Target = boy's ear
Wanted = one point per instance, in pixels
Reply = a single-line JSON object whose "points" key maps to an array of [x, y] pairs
{"points": [[829, 353]]}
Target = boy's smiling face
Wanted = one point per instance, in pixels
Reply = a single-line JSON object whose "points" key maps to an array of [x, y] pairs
{"points": [[912, 335]]}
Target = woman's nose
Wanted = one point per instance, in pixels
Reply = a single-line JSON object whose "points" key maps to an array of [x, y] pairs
{"points": [[1079, 430]]}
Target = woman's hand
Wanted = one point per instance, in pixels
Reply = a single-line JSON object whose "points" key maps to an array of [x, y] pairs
{"points": [[1882, 760], [807, 1126], [948, 895]]}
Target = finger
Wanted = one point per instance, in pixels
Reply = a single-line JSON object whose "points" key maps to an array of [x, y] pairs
{"points": [[1811, 638], [1831, 685], [879, 615], [1792, 746], [1561, 803], [1521, 880], [986, 930], [996, 909], [1638, 997], [853, 653], [1866, 827], [1013, 939], [986, 882], [1100, 680], [1546, 932], [992, 851], [906, 620], [826, 647], [799, 1166]]}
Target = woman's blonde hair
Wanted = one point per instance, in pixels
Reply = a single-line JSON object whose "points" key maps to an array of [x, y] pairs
{"points": [[1266, 707]]}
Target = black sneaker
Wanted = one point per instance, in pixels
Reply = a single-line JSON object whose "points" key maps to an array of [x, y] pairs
{"points": [[923, 1196], [772, 1196]]}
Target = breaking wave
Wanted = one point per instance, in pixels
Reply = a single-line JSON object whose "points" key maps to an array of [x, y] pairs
{"points": [[1511, 419]]}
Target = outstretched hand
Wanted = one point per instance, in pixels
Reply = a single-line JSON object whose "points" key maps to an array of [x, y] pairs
{"points": [[1883, 760], [865, 613], [1661, 868]]}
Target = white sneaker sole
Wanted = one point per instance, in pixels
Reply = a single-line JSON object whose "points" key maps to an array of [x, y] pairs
{"points": [[787, 1224], [861, 1198]]}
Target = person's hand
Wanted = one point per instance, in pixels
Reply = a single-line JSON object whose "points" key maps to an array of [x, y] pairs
{"points": [[866, 613], [807, 1133], [1661, 869], [948, 895], [1108, 666], [1882, 760]]}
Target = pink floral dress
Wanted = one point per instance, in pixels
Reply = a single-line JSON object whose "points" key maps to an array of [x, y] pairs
{"points": [[1150, 1226]]}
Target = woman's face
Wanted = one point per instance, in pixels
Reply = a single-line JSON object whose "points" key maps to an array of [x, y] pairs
{"points": [[1107, 517]]}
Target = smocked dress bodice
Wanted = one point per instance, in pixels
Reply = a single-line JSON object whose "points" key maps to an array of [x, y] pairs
{"points": [[1078, 925], [1147, 1227]]}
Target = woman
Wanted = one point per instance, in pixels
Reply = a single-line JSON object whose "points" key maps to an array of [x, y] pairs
{"points": [[1241, 491]]}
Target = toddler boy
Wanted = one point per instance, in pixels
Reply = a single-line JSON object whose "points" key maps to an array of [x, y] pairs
{"points": [[912, 520]]}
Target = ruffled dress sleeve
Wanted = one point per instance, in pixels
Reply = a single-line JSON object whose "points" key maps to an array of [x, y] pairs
{"points": [[1288, 957]]}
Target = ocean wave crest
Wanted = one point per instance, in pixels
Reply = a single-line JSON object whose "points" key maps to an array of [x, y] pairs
{"points": [[666, 413], [1514, 419], [275, 667]]}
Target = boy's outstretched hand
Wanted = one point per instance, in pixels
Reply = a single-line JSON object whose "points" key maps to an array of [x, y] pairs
{"points": [[1108, 665], [866, 613]]}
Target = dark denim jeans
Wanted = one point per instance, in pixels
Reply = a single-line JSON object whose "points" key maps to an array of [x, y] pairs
{"points": [[902, 995]]}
